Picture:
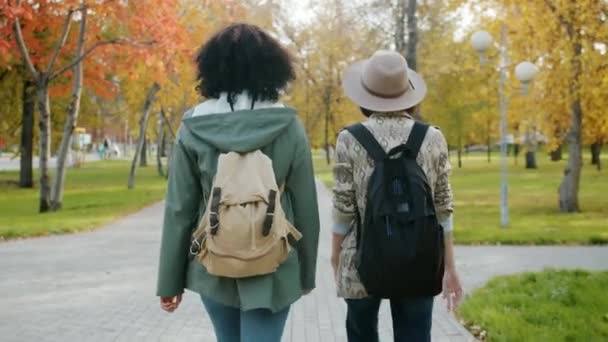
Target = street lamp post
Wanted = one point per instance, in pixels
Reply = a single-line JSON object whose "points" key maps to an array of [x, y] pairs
{"points": [[525, 73]]}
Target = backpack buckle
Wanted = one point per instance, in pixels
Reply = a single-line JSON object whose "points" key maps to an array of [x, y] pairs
{"points": [[195, 247]]}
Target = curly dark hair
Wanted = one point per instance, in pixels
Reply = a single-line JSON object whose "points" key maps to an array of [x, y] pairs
{"points": [[243, 57]]}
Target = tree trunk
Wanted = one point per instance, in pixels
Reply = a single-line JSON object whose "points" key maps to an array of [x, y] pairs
{"points": [[44, 124], [556, 155], [66, 142], [160, 136], [400, 15], [42, 80], [143, 160], [327, 105], [568, 190], [150, 98], [460, 158], [460, 151], [531, 160], [412, 30], [406, 9], [531, 147], [70, 123], [26, 174], [596, 150], [163, 144], [168, 122]]}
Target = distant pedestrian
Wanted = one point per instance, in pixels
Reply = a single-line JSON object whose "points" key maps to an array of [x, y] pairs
{"points": [[243, 162], [115, 151], [1, 146], [392, 205], [106, 148], [101, 150]]}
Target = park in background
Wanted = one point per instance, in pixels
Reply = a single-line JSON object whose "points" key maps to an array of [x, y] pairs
{"points": [[113, 62], [80, 78]]}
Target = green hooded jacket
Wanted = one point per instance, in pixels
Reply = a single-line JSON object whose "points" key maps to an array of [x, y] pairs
{"points": [[278, 133]]}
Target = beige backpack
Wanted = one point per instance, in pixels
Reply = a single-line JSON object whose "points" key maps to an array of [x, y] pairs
{"points": [[244, 231]]}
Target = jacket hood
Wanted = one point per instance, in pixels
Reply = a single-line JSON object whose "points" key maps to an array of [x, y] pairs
{"points": [[240, 131]]}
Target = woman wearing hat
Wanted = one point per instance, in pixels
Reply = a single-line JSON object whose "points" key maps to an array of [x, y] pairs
{"points": [[388, 93]]}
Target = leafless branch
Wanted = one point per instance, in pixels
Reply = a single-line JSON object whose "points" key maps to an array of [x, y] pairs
{"points": [[81, 33], [23, 48], [118, 41], [169, 124], [61, 41]]}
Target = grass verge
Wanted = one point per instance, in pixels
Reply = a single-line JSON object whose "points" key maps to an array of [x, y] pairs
{"points": [[547, 306], [94, 195], [533, 203]]}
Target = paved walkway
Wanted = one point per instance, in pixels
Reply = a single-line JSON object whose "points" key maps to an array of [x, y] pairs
{"points": [[99, 286]]}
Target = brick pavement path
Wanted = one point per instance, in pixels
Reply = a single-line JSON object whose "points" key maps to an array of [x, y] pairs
{"points": [[99, 286]]}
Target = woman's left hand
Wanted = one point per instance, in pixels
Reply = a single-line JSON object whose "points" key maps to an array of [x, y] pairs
{"points": [[335, 261], [452, 290]]}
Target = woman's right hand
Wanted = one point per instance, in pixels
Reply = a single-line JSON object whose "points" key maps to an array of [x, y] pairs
{"points": [[336, 249], [170, 304]]}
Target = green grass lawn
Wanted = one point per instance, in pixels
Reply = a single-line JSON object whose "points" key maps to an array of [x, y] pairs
{"points": [[94, 195], [535, 218], [547, 306]]}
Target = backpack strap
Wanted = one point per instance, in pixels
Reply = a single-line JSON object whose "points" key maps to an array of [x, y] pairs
{"points": [[417, 135], [214, 220], [272, 199], [368, 141]]}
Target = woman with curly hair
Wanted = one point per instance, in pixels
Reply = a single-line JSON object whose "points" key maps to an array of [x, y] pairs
{"points": [[242, 71]]}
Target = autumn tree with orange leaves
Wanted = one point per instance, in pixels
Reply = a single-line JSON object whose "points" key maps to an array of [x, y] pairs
{"points": [[110, 35]]}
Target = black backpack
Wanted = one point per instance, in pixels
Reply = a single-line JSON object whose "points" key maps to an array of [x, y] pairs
{"points": [[400, 245]]}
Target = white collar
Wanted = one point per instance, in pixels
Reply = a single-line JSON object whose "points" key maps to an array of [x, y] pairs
{"points": [[221, 105]]}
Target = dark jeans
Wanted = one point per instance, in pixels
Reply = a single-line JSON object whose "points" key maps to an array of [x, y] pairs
{"points": [[412, 319]]}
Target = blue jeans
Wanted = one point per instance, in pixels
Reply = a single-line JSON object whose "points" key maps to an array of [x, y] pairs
{"points": [[412, 319], [233, 325]]}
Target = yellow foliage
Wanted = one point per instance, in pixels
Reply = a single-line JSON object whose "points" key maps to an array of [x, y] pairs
{"points": [[547, 32], [323, 49]]}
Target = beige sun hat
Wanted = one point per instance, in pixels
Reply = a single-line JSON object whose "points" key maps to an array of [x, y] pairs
{"points": [[384, 83]]}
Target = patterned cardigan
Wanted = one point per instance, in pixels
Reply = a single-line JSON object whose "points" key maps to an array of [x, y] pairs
{"points": [[352, 170]]}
